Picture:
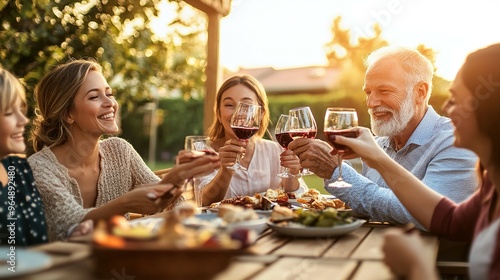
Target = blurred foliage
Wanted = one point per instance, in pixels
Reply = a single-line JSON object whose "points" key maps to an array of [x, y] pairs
{"points": [[177, 118], [37, 35]]}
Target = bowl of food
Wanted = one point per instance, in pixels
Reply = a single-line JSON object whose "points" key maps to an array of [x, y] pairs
{"points": [[158, 262], [169, 251]]}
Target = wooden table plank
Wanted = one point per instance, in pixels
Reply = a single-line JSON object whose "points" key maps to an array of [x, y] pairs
{"points": [[267, 243], [373, 270], [64, 252], [240, 270], [305, 247], [346, 244], [79, 270], [308, 268], [371, 247]]}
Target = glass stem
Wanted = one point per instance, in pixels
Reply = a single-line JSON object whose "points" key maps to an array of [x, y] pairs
{"points": [[339, 155], [237, 159]]}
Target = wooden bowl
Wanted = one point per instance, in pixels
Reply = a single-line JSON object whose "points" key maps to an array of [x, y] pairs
{"points": [[154, 262]]}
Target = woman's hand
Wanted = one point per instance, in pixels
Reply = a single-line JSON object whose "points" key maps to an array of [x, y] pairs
{"points": [[230, 151], [83, 228], [191, 164], [404, 254], [150, 199], [364, 146], [290, 160]]}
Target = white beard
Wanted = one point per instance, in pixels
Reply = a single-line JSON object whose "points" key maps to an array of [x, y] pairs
{"points": [[400, 119]]}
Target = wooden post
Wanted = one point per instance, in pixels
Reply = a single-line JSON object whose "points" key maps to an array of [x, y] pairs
{"points": [[215, 10], [213, 70]]}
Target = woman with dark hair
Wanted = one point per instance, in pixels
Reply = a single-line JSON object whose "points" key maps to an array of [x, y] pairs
{"points": [[474, 109], [261, 156], [82, 176]]}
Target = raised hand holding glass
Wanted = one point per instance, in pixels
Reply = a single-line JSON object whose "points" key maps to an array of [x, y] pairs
{"points": [[339, 121], [303, 125], [245, 122], [282, 133]]}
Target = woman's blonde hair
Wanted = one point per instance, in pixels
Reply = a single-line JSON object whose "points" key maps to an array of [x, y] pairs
{"points": [[10, 90], [216, 130], [55, 95]]}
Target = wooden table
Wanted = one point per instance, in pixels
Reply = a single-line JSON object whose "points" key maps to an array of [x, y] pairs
{"points": [[356, 255]]}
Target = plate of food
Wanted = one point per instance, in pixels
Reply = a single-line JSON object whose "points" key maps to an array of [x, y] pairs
{"points": [[298, 230], [213, 220], [312, 222], [261, 203], [313, 199], [22, 262], [214, 209]]}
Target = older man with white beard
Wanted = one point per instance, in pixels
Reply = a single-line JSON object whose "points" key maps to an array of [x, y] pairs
{"points": [[398, 85]]}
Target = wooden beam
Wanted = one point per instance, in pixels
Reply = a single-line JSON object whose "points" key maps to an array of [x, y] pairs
{"points": [[221, 7]]}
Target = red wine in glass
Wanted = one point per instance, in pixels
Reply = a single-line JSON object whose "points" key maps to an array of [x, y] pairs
{"points": [[330, 135], [303, 125], [340, 121], [245, 122], [303, 134], [244, 132], [281, 131], [284, 139]]}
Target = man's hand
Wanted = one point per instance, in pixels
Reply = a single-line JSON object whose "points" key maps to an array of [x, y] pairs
{"points": [[315, 155]]}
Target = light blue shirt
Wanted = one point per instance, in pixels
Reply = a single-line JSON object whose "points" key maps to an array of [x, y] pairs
{"points": [[429, 154]]}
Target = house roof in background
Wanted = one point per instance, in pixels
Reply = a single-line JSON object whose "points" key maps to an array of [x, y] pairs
{"points": [[310, 79]]}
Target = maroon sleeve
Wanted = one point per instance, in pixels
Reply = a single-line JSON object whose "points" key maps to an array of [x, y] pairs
{"points": [[495, 263], [456, 222]]}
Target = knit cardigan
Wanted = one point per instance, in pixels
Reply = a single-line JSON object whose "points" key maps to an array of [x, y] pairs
{"points": [[122, 169]]}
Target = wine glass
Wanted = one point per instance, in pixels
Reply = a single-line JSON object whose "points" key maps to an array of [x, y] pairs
{"points": [[339, 121], [282, 133], [245, 122], [302, 125], [197, 143]]}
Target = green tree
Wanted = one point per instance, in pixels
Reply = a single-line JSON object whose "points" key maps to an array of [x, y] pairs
{"points": [[36, 35]]}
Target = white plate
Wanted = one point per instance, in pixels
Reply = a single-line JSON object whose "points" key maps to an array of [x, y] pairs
{"points": [[298, 230], [321, 197], [328, 196], [153, 223], [212, 220], [26, 262], [266, 213]]}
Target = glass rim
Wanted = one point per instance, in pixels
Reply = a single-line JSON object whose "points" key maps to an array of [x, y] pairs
{"points": [[250, 104], [346, 109], [302, 107]]}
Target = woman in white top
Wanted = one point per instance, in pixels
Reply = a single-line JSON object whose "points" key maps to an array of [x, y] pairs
{"points": [[261, 157]]}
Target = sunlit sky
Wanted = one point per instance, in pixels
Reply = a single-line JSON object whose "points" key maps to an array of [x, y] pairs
{"points": [[292, 33]]}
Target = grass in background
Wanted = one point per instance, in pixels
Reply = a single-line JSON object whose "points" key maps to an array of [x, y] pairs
{"points": [[315, 182], [160, 165]]}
